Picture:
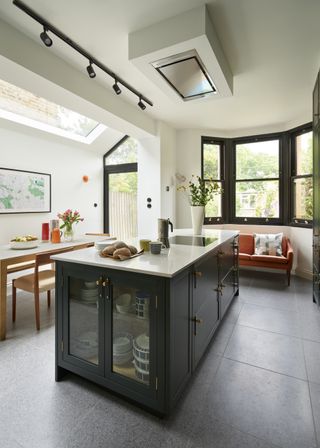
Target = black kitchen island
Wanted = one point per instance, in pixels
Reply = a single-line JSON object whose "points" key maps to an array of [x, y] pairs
{"points": [[140, 327]]}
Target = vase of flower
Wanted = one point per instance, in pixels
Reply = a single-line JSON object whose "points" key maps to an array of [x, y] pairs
{"points": [[69, 218], [197, 218], [200, 192], [68, 233]]}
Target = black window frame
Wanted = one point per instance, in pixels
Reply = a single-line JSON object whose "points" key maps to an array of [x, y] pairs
{"points": [[222, 144], [294, 133], [228, 176], [248, 219], [112, 169]]}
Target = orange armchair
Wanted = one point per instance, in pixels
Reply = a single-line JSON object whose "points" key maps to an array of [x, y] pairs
{"points": [[248, 258]]}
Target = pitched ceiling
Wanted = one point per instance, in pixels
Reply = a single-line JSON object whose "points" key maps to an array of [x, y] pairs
{"points": [[272, 48]]}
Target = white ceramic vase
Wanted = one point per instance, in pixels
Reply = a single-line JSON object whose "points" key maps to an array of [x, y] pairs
{"points": [[197, 217]]}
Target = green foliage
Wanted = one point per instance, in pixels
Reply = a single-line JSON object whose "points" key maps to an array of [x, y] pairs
{"points": [[127, 152], [211, 161], [123, 182], [200, 191]]}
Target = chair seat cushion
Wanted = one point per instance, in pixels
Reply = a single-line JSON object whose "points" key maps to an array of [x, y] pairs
{"points": [[269, 259], [244, 256], [46, 281]]}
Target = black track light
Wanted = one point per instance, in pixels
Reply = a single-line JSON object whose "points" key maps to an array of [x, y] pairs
{"points": [[119, 83], [45, 38], [116, 88], [141, 104], [91, 71]]}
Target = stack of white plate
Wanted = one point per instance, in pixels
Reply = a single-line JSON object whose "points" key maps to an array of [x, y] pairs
{"points": [[122, 348], [142, 305], [124, 304], [141, 354], [89, 295], [90, 292], [85, 345]]}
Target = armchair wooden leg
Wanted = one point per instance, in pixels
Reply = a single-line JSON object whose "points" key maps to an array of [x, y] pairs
{"points": [[14, 302], [288, 277], [49, 298], [37, 309]]}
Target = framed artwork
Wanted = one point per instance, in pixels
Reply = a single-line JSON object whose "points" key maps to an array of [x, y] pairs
{"points": [[24, 191]]}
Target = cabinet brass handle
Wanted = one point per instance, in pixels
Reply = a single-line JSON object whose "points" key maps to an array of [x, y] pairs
{"points": [[198, 273], [98, 282], [103, 283], [197, 320]]}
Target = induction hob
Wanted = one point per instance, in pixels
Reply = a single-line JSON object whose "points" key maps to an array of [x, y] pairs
{"points": [[189, 240]]}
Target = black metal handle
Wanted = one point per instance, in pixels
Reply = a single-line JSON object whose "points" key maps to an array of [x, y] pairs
{"points": [[170, 224]]}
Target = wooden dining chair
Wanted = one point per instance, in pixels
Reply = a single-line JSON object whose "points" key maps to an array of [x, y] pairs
{"points": [[37, 282]]}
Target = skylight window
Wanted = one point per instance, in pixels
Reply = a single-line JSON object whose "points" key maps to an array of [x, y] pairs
{"points": [[24, 107]]}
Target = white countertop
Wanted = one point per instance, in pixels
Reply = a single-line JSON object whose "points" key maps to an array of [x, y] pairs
{"points": [[169, 263]]}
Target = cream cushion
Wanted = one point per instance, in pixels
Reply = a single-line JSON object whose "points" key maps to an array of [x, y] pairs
{"points": [[46, 281]]}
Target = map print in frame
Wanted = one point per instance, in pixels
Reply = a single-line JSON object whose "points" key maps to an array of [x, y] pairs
{"points": [[24, 191]]}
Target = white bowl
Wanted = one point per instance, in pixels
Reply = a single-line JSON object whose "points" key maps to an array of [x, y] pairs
{"points": [[24, 244], [99, 245], [124, 300], [90, 285]]}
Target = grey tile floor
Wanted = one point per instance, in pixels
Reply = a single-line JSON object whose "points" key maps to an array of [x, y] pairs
{"points": [[258, 385]]}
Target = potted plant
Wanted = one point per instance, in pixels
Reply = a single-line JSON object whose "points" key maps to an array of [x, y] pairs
{"points": [[200, 192]]}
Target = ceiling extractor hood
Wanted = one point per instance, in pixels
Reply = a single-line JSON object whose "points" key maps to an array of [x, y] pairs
{"points": [[183, 56], [186, 74]]}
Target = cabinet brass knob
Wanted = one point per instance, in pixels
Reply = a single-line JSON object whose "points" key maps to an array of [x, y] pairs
{"points": [[197, 320], [98, 282], [103, 283], [198, 273]]}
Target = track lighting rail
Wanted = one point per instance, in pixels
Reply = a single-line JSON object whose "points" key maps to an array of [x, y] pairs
{"points": [[92, 60]]}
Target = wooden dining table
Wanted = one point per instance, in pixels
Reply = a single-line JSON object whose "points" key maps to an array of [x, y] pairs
{"points": [[17, 260]]}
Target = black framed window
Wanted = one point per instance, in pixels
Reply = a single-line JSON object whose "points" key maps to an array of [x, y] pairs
{"points": [[212, 155], [257, 185], [120, 189], [301, 179]]}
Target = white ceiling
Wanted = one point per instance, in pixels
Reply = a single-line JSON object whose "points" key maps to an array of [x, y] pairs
{"points": [[272, 48]]}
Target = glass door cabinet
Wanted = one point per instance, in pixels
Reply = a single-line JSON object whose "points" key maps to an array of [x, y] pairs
{"points": [[110, 327]]}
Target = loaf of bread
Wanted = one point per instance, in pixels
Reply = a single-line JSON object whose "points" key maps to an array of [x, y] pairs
{"points": [[119, 244], [123, 252], [108, 250], [133, 250]]}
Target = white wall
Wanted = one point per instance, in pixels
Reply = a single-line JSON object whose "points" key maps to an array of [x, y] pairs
{"points": [[149, 182], [168, 170], [66, 162], [189, 162]]}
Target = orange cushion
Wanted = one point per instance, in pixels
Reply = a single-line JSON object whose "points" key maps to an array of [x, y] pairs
{"points": [[246, 243], [269, 259], [244, 256]]}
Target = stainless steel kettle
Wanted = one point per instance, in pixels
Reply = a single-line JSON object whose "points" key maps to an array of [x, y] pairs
{"points": [[163, 231]]}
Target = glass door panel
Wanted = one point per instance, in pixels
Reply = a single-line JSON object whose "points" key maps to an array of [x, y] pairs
{"points": [[131, 333], [83, 301], [122, 194]]}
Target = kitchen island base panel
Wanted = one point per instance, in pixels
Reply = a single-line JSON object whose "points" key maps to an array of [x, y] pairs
{"points": [[180, 316]]}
